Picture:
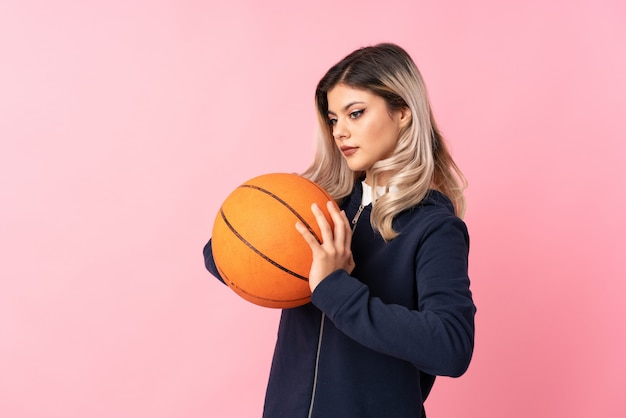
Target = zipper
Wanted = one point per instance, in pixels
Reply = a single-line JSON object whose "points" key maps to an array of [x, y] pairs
{"points": [[317, 363], [354, 221], [357, 215]]}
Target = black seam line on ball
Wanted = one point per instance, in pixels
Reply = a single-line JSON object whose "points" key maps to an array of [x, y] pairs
{"points": [[292, 210], [266, 258], [239, 289]]}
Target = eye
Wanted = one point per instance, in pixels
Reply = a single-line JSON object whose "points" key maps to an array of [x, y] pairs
{"points": [[332, 121], [356, 114]]}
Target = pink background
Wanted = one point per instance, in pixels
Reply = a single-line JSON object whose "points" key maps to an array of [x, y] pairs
{"points": [[124, 124]]}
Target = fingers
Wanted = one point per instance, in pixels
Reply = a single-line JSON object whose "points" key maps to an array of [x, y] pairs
{"points": [[325, 229], [334, 251], [324, 226], [306, 234], [335, 239], [327, 233], [343, 229], [341, 233]]}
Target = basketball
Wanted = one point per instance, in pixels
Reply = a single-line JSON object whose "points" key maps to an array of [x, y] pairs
{"points": [[256, 247]]}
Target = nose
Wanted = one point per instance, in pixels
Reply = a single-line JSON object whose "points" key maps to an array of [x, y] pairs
{"points": [[340, 131]]}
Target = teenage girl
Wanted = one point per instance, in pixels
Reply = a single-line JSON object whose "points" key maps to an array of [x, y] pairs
{"points": [[391, 306]]}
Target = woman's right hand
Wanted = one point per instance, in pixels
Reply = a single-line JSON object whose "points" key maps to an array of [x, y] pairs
{"points": [[334, 252]]}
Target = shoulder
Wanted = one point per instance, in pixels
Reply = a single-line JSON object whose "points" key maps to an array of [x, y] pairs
{"points": [[434, 206], [433, 215]]}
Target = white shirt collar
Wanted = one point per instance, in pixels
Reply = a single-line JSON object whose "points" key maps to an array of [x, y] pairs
{"points": [[368, 196]]}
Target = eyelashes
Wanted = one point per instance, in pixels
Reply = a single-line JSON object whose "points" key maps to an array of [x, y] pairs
{"points": [[355, 114]]}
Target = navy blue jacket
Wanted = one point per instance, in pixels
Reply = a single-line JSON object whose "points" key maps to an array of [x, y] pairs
{"points": [[371, 343]]}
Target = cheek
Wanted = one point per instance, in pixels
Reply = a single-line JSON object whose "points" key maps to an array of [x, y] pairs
{"points": [[335, 144], [383, 132], [390, 140]]}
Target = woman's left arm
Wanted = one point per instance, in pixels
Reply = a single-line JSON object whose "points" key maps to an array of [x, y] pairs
{"points": [[438, 336]]}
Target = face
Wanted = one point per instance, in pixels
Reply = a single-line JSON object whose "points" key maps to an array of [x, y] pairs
{"points": [[364, 129]]}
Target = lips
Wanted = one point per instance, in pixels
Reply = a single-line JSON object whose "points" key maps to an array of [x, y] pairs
{"points": [[347, 150]]}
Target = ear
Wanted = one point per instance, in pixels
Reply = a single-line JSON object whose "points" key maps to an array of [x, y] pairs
{"points": [[405, 116]]}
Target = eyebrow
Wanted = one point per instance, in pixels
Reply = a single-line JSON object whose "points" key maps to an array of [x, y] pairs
{"points": [[346, 107]]}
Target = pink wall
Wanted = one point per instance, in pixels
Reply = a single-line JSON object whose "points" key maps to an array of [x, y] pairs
{"points": [[124, 124]]}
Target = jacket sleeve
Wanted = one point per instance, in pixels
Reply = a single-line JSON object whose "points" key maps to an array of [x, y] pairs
{"points": [[209, 262], [438, 336]]}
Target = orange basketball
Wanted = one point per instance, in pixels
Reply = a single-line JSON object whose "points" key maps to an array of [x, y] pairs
{"points": [[256, 247]]}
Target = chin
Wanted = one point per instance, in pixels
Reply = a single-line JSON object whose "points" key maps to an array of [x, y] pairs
{"points": [[356, 167]]}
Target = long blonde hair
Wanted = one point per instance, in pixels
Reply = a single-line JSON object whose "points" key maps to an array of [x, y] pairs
{"points": [[421, 160]]}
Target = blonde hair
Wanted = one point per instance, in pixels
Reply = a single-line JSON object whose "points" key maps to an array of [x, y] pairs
{"points": [[421, 160]]}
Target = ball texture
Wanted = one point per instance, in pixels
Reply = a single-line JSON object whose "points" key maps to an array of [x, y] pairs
{"points": [[256, 247]]}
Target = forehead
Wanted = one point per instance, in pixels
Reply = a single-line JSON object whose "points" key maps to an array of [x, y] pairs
{"points": [[341, 96]]}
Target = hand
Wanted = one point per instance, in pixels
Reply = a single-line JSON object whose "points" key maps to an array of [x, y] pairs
{"points": [[334, 252]]}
